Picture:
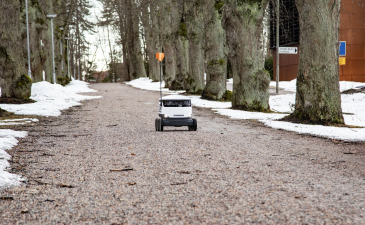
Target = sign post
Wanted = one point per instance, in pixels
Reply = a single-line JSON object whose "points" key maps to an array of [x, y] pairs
{"points": [[283, 50], [288, 50], [160, 57], [342, 48], [277, 45], [54, 70]]}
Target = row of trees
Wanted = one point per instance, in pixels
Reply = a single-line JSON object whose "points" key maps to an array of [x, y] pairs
{"points": [[197, 37], [207, 36], [71, 21]]}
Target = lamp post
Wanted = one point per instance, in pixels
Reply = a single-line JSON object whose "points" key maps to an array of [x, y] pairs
{"points": [[68, 58], [54, 70], [61, 28], [277, 46], [26, 9]]}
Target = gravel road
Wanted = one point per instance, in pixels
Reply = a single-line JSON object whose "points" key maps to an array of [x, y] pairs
{"points": [[104, 163]]}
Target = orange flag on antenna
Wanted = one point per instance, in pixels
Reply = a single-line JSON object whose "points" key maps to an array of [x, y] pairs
{"points": [[160, 56]]}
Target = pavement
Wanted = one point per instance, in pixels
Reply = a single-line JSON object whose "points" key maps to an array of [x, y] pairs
{"points": [[104, 163]]}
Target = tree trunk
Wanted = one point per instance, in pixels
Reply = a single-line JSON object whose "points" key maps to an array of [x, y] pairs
{"points": [[167, 42], [215, 45], [182, 62], [181, 44], [123, 31], [318, 96], [135, 44], [195, 29], [13, 81], [151, 28], [243, 23]]}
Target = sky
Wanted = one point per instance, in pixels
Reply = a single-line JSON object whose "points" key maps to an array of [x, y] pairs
{"points": [[51, 99], [99, 45]]}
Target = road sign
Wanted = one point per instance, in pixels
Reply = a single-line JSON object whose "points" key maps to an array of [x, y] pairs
{"points": [[288, 50], [342, 61], [342, 48], [160, 56]]}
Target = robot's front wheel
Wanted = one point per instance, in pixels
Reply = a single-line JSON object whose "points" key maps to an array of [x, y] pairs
{"points": [[159, 124], [194, 127]]}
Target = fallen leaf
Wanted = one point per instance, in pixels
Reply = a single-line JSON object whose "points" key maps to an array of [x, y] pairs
{"points": [[133, 154], [131, 183], [24, 211]]}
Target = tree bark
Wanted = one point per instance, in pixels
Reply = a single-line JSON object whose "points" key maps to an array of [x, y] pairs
{"points": [[195, 29], [13, 81], [243, 22], [122, 25], [136, 55], [215, 54], [181, 45], [318, 96], [167, 42], [151, 28]]}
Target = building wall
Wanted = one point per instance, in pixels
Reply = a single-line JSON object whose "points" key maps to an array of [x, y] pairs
{"points": [[288, 65], [352, 30]]}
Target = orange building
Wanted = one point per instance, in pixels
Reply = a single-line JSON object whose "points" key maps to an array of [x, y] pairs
{"points": [[352, 30]]}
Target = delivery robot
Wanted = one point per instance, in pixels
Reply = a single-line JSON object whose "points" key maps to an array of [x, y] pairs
{"points": [[176, 111]]}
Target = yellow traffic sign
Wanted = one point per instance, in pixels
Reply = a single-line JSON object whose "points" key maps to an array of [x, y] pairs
{"points": [[342, 61]]}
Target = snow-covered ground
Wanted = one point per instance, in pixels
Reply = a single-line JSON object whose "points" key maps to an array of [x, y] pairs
{"points": [[353, 106], [51, 99]]}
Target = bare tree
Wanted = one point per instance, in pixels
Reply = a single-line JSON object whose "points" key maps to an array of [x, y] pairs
{"points": [[152, 36], [181, 44], [215, 51], [243, 22], [195, 29], [13, 81], [318, 97], [167, 41]]}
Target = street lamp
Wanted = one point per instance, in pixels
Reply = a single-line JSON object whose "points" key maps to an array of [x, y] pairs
{"points": [[68, 58], [61, 28], [54, 70], [26, 9]]}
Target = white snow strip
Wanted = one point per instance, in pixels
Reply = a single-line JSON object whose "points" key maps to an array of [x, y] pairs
{"points": [[51, 99], [147, 84], [339, 133], [238, 114], [7, 141], [17, 121]]}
